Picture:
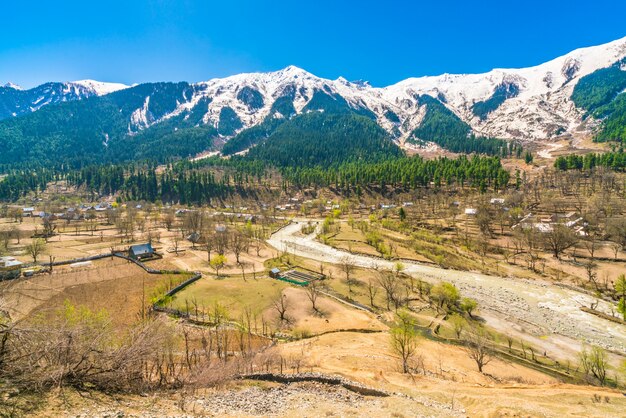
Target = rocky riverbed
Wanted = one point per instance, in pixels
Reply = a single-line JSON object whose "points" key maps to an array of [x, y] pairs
{"points": [[536, 308]]}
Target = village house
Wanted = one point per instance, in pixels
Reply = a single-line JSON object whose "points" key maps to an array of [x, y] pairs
{"points": [[28, 211], [545, 224], [141, 251]]}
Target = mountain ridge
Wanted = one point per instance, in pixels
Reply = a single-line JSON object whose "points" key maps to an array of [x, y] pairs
{"points": [[528, 104]]}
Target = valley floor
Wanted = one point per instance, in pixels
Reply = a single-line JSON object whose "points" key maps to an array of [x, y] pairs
{"points": [[538, 310]]}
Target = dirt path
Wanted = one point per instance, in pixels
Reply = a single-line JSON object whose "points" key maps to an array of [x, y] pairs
{"points": [[547, 314]]}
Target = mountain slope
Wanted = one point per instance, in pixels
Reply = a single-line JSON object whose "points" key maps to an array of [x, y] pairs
{"points": [[569, 94], [129, 124], [325, 139], [14, 101]]}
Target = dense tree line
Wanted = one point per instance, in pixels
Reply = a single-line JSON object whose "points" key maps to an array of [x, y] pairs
{"points": [[319, 139], [612, 160], [98, 129], [406, 172], [196, 182], [600, 95]]}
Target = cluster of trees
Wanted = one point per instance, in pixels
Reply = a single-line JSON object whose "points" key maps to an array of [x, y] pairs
{"points": [[97, 129], [406, 172], [611, 160], [324, 140], [79, 348], [196, 182], [600, 87], [600, 94], [19, 182]]}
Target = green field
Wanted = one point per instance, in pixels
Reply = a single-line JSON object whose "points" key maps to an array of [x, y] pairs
{"points": [[233, 293]]}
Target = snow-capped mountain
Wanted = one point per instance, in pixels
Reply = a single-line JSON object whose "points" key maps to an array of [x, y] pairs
{"points": [[529, 104], [15, 101], [539, 101]]}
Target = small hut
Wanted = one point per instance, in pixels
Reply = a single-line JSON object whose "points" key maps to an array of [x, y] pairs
{"points": [[141, 251], [275, 273]]}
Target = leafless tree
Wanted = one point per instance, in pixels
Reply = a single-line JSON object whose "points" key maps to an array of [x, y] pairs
{"points": [[388, 282], [238, 244], [560, 239], [372, 291], [168, 219], [176, 243], [313, 292], [48, 228], [477, 348], [280, 304], [347, 266]]}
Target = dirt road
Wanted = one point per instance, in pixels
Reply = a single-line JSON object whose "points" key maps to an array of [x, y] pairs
{"points": [[537, 311]]}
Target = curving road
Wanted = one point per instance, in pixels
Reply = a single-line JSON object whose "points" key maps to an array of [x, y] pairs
{"points": [[537, 311]]}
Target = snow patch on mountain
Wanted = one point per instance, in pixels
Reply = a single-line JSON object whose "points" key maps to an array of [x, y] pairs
{"points": [[99, 88], [13, 86], [527, 103], [141, 118]]}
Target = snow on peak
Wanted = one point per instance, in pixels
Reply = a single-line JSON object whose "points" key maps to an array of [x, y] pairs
{"points": [[100, 88], [10, 85]]}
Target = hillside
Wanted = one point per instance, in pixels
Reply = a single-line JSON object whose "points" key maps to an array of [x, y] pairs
{"points": [[461, 113]]}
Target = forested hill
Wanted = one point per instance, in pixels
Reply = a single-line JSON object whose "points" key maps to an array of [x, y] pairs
{"points": [[321, 139], [602, 95], [111, 128]]}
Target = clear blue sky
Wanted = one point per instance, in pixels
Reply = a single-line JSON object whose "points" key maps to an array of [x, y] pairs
{"points": [[380, 41]]}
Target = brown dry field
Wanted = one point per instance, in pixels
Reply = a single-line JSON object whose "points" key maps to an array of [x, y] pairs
{"points": [[114, 285], [506, 389], [450, 388]]}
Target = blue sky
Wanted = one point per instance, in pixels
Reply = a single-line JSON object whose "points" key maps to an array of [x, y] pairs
{"points": [[380, 41]]}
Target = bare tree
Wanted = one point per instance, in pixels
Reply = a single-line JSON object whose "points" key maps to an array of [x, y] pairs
{"points": [[5, 238], [48, 228], [372, 291], [237, 244], [168, 219], [281, 304], [221, 242], [390, 285], [312, 292], [477, 347], [192, 224], [560, 239], [347, 266], [209, 243]]}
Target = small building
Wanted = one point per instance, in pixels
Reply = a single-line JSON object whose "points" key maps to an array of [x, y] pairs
{"points": [[275, 273], [497, 201], [471, 211], [10, 268], [220, 228], [141, 251], [28, 211], [193, 237]]}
